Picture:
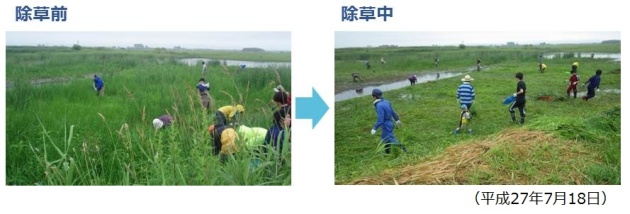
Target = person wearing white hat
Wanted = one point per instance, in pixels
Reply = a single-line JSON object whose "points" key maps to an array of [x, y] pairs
{"points": [[162, 121], [466, 92]]}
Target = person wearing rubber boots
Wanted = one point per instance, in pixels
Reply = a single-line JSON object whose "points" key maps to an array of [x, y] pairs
{"points": [[386, 117]]}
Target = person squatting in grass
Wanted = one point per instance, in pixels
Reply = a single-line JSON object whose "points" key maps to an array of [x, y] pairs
{"points": [[99, 85], [542, 67], [593, 83], [228, 115], [464, 120], [277, 131], [413, 79], [573, 81], [384, 114], [355, 77], [163, 121], [520, 99], [204, 88], [223, 141]]}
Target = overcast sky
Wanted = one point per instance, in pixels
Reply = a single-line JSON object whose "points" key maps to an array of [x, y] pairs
{"points": [[375, 38], [206, 40]]}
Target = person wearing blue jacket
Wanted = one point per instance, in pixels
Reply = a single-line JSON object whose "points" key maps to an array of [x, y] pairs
{"points": [[99, 85], [384, 115], [593, 83]]}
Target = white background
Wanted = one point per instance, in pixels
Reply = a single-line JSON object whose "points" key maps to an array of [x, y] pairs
{"points": [[313, 25]]}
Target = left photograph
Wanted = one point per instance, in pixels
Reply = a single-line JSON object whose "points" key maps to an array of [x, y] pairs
{"points": [[148, 108]]}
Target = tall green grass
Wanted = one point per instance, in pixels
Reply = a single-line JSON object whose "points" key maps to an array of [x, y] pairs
{"points": [[63, 134]]}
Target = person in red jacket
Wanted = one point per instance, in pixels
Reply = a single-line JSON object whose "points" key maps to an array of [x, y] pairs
{"points": [[573, 81]]}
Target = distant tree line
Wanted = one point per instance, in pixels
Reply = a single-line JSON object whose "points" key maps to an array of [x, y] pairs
{"points": [[611, 42], [253, 50]]}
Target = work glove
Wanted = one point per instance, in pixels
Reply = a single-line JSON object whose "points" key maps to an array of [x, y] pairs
{"points": [[598, 90], [514, 95], [373, 132], [398, 123]]}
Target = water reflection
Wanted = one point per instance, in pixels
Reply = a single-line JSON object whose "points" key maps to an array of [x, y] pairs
{"points": [[367, 90], [240, 63]]}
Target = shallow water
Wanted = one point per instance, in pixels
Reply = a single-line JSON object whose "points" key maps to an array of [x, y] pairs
{"points": [[613, 56], [248, 64], [367, 90]]}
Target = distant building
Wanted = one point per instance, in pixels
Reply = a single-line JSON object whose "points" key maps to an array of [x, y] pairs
{"points": [[511, 44]]}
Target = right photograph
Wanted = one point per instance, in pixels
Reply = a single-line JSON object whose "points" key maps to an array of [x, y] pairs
{"points": [[477, 108]]}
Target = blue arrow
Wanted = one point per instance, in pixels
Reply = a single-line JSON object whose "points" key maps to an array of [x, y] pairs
{"points": [[310, 108]]}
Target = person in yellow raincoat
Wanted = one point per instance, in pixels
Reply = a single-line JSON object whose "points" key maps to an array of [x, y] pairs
{"points": [[223, 141], [228, 115]]}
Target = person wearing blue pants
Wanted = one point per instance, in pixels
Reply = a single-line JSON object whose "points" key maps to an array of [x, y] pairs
{"points": [[384, 115], [593, 83]]}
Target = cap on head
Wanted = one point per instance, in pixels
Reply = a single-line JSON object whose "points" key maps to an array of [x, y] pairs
{"points": [[202, 79], [464, 107], [240, 108], [377, 93], [280, 87]]}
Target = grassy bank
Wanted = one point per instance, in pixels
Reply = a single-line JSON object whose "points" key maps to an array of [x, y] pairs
{"points": [[60, 133], [564, 141]]}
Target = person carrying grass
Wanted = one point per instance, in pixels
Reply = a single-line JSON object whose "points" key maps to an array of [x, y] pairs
{"points": [[464, 120], [384, 115], [593, 83], [228, 115], [520, 99]]}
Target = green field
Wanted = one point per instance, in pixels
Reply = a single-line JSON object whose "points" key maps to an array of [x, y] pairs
{"points": [[563, 141], [60, 133]]}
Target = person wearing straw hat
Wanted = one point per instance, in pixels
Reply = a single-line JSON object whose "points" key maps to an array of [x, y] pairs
{"points": [[466, 92], [384, 115]]}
